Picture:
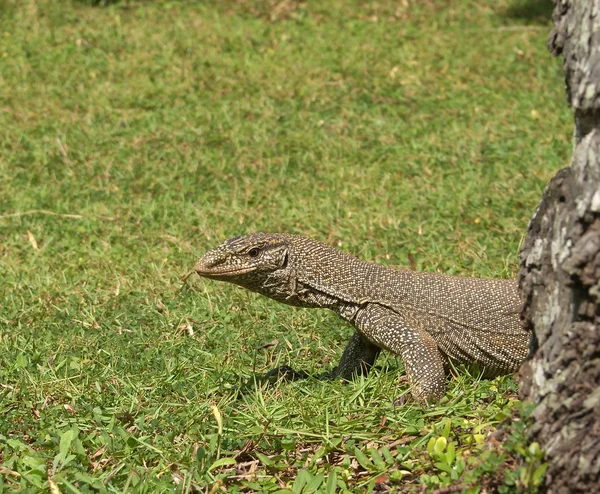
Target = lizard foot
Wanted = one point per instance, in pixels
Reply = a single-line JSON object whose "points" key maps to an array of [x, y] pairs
{"points": [[286, 373]]}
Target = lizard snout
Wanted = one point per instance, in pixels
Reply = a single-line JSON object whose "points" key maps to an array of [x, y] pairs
{"points": [[206, 264]]}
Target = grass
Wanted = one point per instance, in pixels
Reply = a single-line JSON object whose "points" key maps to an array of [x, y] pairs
{"points": [[135, 136]]}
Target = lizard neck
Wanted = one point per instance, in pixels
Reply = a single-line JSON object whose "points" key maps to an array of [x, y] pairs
{"points": [[307, 296], [316, 275], [288, 287]]}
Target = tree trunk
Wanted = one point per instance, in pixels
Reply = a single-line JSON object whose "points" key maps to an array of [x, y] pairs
{"points": [[560, 274]]}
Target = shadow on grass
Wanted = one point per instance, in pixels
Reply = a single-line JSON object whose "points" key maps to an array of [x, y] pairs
{"points": [[531, 11], [94, 3], [106, 3]]}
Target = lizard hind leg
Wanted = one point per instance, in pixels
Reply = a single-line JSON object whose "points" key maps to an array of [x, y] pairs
{"points": [[408, 339]]}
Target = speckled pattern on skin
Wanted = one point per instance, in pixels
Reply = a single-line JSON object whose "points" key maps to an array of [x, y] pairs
{"points": [[428, 319]]}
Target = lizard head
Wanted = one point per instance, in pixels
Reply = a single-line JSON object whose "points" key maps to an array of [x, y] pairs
{"points": [[248, 260]]}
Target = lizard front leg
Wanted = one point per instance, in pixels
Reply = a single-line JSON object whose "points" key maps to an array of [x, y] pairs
{"points": [[358, 358], [406, 336]]}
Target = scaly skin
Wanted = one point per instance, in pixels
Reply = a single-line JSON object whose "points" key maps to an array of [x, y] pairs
{"points": [[428, 319]]}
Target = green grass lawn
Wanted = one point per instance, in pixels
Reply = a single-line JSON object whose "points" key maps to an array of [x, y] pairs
{"points": [[135, 136]]}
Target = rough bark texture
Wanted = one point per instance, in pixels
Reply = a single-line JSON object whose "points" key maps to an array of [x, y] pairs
{"points": [[560, 274]]}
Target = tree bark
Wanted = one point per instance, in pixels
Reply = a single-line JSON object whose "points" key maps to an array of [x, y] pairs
{"points": [[560, 273]]}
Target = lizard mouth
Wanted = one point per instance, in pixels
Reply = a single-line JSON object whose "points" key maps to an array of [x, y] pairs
{"points": [[221, 273]]}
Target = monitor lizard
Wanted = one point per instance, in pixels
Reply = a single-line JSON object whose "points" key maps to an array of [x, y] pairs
{"points": [[428, 319]]}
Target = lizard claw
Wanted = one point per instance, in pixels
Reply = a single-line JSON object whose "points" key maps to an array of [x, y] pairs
{"points": [[401, 401]]}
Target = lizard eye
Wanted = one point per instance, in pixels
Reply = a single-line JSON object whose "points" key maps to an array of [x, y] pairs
{"points": [[253, 252]]}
